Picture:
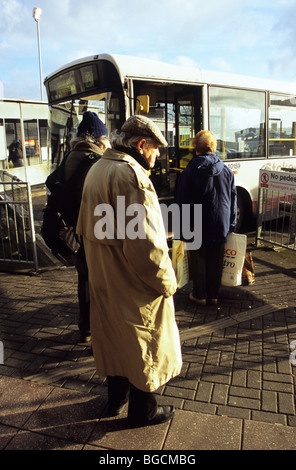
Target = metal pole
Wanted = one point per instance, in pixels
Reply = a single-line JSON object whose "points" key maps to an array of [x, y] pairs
{"points": [[40, 65], [23, 142], [32, 226]]}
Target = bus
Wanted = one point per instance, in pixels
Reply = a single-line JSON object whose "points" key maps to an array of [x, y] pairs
{"points": [[253, 119], [24, 124]]}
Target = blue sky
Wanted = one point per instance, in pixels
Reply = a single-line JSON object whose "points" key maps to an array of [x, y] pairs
{"points": [[255, 37]]}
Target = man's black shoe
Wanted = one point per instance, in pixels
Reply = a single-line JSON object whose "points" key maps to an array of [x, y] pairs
{"points": [[163, 414]]}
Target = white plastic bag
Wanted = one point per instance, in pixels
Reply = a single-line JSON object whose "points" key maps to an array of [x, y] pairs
{"points": [[234, 257], [180, 261]]}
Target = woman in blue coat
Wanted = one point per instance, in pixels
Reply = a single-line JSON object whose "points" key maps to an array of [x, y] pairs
{"points": [[209, 182]]}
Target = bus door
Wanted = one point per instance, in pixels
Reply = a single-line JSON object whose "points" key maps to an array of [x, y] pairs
{"points": [[177, 111], [188, 123]]}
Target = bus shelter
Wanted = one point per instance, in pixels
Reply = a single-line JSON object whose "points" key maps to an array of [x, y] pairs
{"points": [[25, 139], [276, 216]]}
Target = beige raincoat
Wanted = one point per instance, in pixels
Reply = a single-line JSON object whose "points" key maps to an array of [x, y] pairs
{"points": [[133, 327]]}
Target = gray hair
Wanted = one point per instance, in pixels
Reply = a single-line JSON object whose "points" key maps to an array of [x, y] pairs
{"points": [[121, 139]]}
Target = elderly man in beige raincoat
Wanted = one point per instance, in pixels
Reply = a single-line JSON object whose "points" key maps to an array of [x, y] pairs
{"points": [[135, 338]]}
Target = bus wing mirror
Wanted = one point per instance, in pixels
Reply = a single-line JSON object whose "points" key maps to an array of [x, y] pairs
{"points": [[142, 105]]}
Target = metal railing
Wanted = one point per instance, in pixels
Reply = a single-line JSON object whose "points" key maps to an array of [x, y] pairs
{"points": [[18, 249], [276, 217]]}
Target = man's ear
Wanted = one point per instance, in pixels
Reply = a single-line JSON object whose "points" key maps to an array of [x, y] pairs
{"points": [[140, 145]]}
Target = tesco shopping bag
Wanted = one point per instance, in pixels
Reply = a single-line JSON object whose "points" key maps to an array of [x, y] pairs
{"points": [[234, 258], [180, 261]]}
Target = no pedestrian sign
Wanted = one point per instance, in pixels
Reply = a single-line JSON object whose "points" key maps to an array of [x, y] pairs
{"points": [[281, 181]]}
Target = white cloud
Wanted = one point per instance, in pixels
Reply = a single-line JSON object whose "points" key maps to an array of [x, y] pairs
{"points": [[184, 61], [10, 13], [243, 37], [221, 64]]}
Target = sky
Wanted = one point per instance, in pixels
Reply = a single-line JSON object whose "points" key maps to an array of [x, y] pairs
{"points": [[253, 37]]}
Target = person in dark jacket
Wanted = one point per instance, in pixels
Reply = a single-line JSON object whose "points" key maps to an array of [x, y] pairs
{"points": [[209, 182], [16, 153], [92, 140]]}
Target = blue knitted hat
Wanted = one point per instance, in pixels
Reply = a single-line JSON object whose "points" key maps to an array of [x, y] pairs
{"points": [[92, 125]]}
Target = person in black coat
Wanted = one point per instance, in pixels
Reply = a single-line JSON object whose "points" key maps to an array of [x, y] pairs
{"points": [[16, 153], [92, 138], [209, 182]]}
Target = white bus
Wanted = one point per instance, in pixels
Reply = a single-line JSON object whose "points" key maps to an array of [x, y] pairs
{"points": [[254, 120], [25, 122]]}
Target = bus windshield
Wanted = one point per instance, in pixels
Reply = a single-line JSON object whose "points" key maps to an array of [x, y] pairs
{"points": [[92, 86]]}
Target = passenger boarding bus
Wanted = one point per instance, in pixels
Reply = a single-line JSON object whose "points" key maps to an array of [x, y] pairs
{"points": [[253, 119]]}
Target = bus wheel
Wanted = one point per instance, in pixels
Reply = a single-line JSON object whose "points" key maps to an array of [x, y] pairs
{"points": [[243, 212]]}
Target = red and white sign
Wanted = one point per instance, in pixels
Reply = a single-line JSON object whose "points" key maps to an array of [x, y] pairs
{"points": [[282, 181]]}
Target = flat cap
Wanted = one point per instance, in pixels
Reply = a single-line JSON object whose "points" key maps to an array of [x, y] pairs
{"points": [[143, 126]]}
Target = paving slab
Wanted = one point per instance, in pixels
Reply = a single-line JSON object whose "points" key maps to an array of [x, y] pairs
{"points": [[26, 440], [265, 436], [67, 414], [199, 431], [19, 399], [6, 435], [115, 434]]}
